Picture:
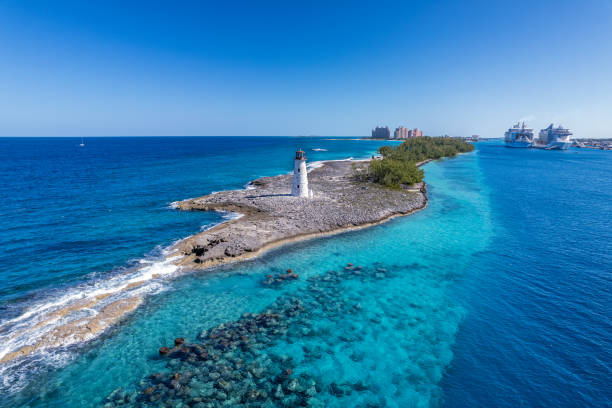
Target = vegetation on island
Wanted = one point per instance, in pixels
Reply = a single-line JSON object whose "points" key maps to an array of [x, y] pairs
{"points": [[395, 173], [398, 165]]}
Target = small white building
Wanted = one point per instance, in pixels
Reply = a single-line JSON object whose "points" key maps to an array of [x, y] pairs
{"points": [[300, 176]]}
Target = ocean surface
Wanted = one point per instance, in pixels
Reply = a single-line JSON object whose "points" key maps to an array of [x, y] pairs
{"points": [[497, 294]]}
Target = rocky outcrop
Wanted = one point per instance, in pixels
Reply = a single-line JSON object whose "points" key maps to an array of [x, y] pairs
{"points": [[273, 217]]}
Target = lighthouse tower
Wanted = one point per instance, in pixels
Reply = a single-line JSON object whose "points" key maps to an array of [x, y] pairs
{"points": [[300, 176]]}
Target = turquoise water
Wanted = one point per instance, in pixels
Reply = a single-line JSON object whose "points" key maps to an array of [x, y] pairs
{"points": [[469, 302]]}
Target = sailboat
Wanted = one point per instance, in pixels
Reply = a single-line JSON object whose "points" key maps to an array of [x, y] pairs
{"points": [[82, 143]]}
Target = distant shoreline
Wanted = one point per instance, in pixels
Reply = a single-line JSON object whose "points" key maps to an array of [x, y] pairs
{"points": [[364, 138]]}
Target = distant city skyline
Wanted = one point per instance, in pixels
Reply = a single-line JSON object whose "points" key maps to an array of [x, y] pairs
{"points": [[113, 68]]}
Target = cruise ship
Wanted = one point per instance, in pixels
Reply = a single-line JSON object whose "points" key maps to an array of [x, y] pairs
{"points": [[519, 136], [555, 138]]}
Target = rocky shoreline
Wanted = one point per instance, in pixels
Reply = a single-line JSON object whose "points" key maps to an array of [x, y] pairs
{"points": [[272, 217]]}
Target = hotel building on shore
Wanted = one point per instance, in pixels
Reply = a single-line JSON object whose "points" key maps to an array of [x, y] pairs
{"points": [[400, 133], [405, 133], [381, 132]]}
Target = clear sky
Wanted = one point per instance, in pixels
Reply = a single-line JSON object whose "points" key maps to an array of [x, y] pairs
{"points": [[300, 68]]}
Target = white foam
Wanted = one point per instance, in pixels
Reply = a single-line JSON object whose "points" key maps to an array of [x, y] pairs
{"points": [[229, 215], [316, 164], [175, 204], [41, 318], [317, 149], [226, 215]]}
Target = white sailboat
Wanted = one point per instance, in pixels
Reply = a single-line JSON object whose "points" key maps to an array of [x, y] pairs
{"points": [[82, 142]]}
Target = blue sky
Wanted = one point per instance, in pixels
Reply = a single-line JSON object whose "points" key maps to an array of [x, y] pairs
{"points": [[288, 68]]}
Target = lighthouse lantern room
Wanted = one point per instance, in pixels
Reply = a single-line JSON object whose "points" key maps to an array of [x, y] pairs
{"points": [[300, 176]]}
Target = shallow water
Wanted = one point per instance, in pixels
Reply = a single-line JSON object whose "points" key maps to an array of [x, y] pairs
{"points": [[476, 306]]}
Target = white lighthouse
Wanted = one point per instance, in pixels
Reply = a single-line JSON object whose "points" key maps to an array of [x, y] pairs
{"points": [[300, 176]]}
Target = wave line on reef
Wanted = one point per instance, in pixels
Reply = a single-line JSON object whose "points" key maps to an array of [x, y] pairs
{"points": [[41, 335], [82, 313], [37, 336]]}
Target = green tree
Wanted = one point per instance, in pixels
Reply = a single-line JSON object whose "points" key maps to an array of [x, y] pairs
{"points": [[393, 173], [398, 165]]}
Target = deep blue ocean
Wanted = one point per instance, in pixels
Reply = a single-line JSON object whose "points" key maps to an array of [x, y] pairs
{"points": [[497, 294]]}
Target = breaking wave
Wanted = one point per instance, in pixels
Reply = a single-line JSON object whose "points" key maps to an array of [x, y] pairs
{"points": [[41, 335]]}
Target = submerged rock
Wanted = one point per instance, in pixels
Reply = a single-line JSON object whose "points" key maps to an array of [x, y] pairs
{"points": [[238, 362], [293, 385], [279, 394], [311, 391], [314, 403], [275, 280]]}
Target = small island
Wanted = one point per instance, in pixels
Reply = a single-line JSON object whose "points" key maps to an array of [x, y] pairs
{"points": [[271, 216], [343, 195]]}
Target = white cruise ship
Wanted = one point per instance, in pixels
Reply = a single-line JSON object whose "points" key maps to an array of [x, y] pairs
{"points": [[519, 136], [555, 138]]}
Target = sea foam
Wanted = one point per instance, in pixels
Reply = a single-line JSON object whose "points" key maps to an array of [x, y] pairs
{"points": [[44, 331]]}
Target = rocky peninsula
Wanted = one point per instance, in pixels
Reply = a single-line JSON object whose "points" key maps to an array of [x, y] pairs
{"points": [[271, 216]]}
